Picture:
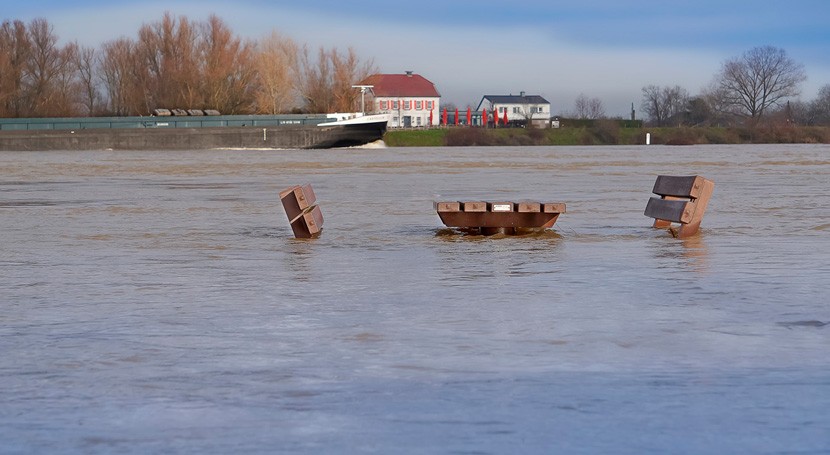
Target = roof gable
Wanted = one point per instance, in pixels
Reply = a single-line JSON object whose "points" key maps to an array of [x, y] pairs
{"points": [[409, 84]]}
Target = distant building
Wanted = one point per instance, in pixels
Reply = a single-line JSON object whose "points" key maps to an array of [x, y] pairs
{"points": [[522, 108], [410, 99]]}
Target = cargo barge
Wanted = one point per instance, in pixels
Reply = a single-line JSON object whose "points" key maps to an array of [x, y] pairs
{"points": [[194, 132]]}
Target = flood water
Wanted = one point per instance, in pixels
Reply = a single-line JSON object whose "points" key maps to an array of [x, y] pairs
{"points": [[156, 302]]}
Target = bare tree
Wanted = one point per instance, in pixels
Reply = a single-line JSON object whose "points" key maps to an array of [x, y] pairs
{"points": [[760, 78], [596, 110], [348, 70], [14, 54], [314, 81], [820, 107], [42, 67], [120, 75], [326, 85], [66, 86], [168, 71], [173, 63], [699, 112], [662, 105], [43, 74], [652, 104], [229, 70], [86, 64], [276, 65], [588, 108]]}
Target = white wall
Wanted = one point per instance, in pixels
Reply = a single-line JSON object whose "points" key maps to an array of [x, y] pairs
{"points": [[416, 108]]}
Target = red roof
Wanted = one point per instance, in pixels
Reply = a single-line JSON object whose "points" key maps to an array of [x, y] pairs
{"points": [[412, 85]]}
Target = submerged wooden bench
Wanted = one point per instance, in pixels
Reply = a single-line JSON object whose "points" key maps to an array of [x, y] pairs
{"points": [[682, 200], [499, 217], [304, 215]]}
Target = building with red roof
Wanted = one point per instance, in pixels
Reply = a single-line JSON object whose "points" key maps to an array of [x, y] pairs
{"points": [[410, 99]]}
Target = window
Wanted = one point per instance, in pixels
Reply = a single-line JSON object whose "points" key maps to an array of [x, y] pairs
{"points": [[515, 110], [396, 104], [430, 105], [407, 105], [419, 105], [383, 105]]}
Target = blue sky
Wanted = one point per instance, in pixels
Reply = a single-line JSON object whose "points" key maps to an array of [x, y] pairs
{"points": [[602, 48]]}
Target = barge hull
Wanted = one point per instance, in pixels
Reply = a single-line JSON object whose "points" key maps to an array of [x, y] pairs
{"points": [[202, 138]]}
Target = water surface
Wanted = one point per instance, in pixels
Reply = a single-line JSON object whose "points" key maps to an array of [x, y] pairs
{"points": [[157, 302]]}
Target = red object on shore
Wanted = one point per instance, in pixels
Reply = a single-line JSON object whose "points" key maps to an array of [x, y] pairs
{"points": [[505, 117], [444, 117], [430, 117], [456, 116], [469, 117], [484, 117], [495, 117]]}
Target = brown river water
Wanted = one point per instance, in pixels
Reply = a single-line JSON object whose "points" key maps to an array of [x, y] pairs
{"points": [[157, 302]]}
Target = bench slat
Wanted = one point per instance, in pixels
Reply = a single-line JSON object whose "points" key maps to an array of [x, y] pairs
{"points": [[474, 206], [309, 223], [451, 206], [296, 199], [669, 210], [553, 207], [685, 186]]}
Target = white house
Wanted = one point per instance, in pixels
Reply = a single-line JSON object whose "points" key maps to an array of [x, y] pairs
{"points": [[410, 99], [529, 109]]}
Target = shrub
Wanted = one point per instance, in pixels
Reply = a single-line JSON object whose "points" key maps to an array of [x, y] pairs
{"points": [[606, 131], [682, 136], [462, 137]]}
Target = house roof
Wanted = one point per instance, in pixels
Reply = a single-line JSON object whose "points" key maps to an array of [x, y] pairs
{"points": [[401, 85], [515, 99]]}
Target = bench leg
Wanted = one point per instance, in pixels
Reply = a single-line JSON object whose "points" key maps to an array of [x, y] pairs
{"points": [[689, 229]]}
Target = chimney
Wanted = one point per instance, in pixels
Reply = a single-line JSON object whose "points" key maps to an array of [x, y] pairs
{"points": [[409, 73]]}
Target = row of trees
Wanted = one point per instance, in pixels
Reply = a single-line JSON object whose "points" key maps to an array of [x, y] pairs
{"points": [[179, 63], [760, 84], [172, 63]]}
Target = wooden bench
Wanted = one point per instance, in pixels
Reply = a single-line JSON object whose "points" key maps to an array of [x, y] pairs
{"points": [[682, 200], [499, 217], [304, 215]]}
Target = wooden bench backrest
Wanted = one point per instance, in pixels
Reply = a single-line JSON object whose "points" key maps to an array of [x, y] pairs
{"points": [[683, 199], [304, 215]]}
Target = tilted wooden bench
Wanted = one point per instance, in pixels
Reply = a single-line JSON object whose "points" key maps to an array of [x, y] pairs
{"points": [[499, 217], [305, 216], [682, 200]]}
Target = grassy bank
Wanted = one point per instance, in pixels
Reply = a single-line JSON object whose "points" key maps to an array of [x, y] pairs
{"points": [[607, 133]]}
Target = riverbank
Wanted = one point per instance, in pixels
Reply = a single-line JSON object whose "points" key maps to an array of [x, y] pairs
{"points": [[607, 133]]}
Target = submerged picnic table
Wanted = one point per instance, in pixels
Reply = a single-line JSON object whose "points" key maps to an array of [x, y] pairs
{"points": [[502, 217]]}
